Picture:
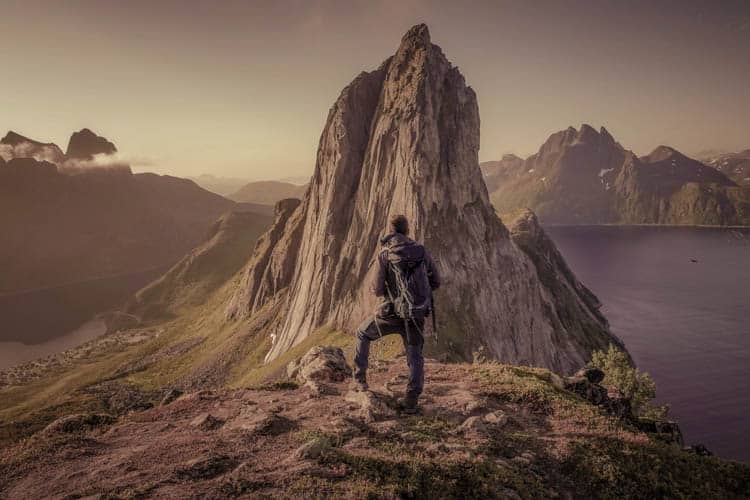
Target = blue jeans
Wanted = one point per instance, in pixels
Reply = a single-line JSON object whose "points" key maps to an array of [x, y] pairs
{"points": [[372, 329]]}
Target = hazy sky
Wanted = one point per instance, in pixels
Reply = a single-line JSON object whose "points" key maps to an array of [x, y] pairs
{"points": [[243, 88]]}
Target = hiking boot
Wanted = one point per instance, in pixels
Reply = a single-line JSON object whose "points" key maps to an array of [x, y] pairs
{"points": [[359, 386], [409, 403]]}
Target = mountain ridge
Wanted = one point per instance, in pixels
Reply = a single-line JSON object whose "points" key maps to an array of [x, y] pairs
{"points": [[586, 177]]}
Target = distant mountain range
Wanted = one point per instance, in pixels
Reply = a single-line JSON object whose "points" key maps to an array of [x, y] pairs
{"points": [[219, 185], [267, 192], [736, 166], [61, 224], [586, 177]]}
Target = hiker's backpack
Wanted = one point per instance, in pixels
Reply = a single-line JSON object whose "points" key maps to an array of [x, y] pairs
{"points": [[412, 295]]}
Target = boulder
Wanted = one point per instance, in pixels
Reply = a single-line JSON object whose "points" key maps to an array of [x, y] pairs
{"points": [[372, 406], [473, 424], [257, 421], [312, 449], [580, 385], [324, 364], [496, 418]]}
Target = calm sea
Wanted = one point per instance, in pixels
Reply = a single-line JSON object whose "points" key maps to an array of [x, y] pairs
{"points": [[678, 298]]}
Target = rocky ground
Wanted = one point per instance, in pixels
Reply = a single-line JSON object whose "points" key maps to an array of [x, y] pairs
{"points": [[485, 430]]}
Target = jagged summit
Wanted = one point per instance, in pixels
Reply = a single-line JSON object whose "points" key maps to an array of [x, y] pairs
{"points": [[14, 138], [15, 145], [84, 144], [404, 138]]}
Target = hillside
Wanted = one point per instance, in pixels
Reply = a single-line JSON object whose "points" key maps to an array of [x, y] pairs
{"points": [[736, 166], [586, 177], [60, 228], [223, 186], [486, 430], [82, 234], [267, 192]]}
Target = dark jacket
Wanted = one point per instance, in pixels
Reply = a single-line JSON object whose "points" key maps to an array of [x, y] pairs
{"points": [[395, 242]]}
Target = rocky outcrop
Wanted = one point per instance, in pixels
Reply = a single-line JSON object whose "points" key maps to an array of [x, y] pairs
{"points": [[585, 177], [204, 269], [487, 431], [322, 364], [14, 145], [404, 138], [85, 144]]}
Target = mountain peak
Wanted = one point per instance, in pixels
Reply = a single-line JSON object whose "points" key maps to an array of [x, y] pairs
{"points": [[663, 152], [417, 35], [12, 138], [85, 144], [16, 145], [395, 141]]}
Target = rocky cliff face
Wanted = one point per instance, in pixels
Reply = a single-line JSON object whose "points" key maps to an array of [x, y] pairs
{"points": [[404, 139], [586, 177]]}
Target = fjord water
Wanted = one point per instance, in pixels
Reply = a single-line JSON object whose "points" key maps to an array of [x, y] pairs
{"points": [[678, 298]]}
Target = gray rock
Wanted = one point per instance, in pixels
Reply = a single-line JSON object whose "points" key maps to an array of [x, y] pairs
{"points": [[257, 421], [312, 449], [496, 418], [323, 364], [473, 424], [372, 406]]}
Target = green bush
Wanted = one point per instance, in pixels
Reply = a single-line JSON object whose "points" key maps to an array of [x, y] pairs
{"points": [[634, 384]]}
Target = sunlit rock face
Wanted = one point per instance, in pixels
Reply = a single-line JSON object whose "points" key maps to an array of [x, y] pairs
{"points": [[404, 138]]}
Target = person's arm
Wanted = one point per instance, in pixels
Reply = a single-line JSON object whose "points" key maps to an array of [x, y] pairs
{"points": [[378, 283], [432, 272]]}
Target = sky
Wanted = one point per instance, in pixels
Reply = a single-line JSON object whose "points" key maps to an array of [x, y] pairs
{"points": [[242, 88]]}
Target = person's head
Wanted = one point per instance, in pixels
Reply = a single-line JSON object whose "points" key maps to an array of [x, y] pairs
{"points": [[400, 224]]}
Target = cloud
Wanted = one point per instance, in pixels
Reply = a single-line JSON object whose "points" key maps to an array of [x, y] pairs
{"points": [[52, 154], [43, 152], [116, 161]]}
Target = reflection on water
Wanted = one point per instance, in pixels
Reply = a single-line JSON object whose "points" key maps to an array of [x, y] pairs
{"points": [[14, 353], [678, 299]]}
